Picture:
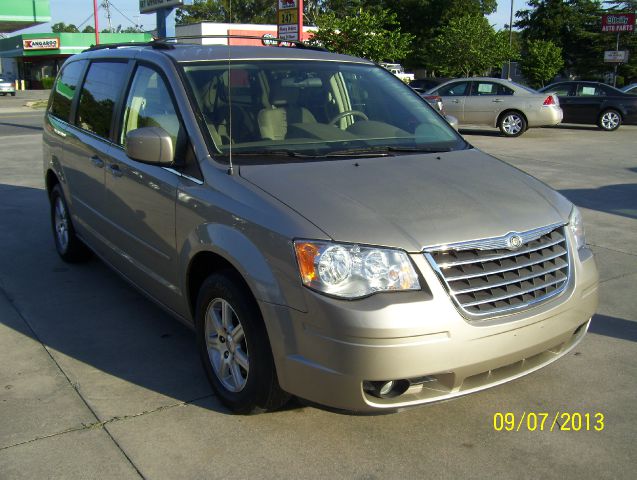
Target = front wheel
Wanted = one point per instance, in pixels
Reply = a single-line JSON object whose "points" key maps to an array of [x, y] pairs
{"points": [[609, 120], [234, 347], [512, 124]]}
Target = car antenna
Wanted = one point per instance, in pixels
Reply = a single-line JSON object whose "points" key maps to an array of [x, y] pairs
{"points": [[230, 167]]}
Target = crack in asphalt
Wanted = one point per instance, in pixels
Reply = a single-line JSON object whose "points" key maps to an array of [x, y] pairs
{"points": [[612, 249], [102, 424]]}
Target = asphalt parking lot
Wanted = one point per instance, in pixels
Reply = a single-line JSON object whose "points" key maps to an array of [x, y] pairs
{"points": [[98, 382]]}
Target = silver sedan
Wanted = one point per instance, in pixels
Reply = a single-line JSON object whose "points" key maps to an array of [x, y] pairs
{"points": [[499, 103]]}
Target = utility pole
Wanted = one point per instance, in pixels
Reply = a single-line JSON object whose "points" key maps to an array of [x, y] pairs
{"points": [[97, 27], [106, 6], [510, 40]]}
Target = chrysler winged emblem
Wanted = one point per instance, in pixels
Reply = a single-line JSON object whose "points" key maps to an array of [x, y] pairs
{"points": [[513, 241]]}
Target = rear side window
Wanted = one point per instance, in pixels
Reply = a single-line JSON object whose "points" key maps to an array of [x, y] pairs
{"points": [[454, 89], [64, 90], [563, 89], [584, 90], [101, 90]]}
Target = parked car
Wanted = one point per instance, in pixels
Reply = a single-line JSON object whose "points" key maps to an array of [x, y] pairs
{"points": [[6, 87], [595, 103], [498, 103], [436, 102], [325, 232], [632, 89], [421, 85]]}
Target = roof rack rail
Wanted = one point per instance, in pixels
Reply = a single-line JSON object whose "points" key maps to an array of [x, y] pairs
{"points": [[108, 46], [170, 42], [275, 41]]}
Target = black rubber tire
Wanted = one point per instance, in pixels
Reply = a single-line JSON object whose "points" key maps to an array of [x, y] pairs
{"points": [[523, 125], [261, 391], [13, 94], [74, 251], [609, 111]]}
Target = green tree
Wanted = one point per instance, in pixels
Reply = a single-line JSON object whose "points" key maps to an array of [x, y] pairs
{"points": [[88, 29], [424, 18], [374, 35], [572, 25], [469, 45], [62, 27], [541, 62]]}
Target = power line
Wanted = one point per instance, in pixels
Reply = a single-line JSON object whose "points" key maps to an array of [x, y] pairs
{"points": [[122, 14]]}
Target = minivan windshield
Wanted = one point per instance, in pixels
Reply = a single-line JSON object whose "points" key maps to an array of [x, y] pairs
{"points": [[312, 109]]}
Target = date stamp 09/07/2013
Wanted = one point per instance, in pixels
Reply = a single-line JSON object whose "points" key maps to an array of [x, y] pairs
{"points": [[549, 422]]}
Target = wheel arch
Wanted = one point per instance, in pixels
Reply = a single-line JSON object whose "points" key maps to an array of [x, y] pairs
{"points": [[50, 181], [215, 247]]}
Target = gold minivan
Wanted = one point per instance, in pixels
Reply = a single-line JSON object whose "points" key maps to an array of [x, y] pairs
{"points": [[324, 231]]}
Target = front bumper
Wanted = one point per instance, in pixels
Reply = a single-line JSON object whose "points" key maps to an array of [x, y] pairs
{"points": [[325, 354]]}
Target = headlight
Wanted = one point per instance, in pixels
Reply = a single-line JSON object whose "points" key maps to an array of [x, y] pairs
{"points": [[353, 271], [577, 227]]}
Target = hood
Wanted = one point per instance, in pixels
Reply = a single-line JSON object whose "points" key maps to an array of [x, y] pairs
{"points": [[412, 201]]}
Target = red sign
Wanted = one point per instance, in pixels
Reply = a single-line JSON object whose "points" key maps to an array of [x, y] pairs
{"points": [[618, 22], [290, 20]]}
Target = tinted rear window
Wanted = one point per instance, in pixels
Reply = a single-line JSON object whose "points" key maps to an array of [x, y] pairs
{"points": [[100, 92], [64, 89]]}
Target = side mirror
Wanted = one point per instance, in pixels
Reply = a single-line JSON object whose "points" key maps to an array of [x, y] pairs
{"points": [[150, 145], [453, 121]]}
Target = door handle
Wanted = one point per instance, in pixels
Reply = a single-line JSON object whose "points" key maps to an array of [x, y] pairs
{"points": [[455, 100], [497, 100], [114, 170], [97, 161]]}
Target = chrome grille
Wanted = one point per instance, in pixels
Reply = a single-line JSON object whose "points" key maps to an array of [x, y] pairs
{"points": [[486, 277]]}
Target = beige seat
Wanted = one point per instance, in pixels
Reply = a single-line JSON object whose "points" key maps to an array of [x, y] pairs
{"points": [[285, 110]]}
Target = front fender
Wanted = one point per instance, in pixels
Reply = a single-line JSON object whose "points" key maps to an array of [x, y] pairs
{"points": [[269, 269]]}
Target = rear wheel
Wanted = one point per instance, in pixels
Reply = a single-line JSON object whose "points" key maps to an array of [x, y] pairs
{"points": [[234, 347], [609, 120], [67, 244], [512, 124]]}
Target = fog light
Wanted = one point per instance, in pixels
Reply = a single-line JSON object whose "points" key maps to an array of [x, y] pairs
{"points": [[386, 388]]}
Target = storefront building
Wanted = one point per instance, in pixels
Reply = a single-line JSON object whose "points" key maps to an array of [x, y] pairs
{"points": [[263, 32], [33, 59], [36, 58]]}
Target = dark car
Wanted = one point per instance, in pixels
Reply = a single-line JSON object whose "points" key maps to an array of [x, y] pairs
{"points": [[595, 103], [421, 85]]}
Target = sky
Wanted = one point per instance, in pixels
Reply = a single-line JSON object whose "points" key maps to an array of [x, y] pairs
{"points": [[126, 13]]}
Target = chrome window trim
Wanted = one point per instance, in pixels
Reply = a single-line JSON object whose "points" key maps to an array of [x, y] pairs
{"points": [[183, 175], [500, 242]]}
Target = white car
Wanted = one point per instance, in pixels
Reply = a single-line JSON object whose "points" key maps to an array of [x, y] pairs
{"points": [[498, 103], [6, 87]]}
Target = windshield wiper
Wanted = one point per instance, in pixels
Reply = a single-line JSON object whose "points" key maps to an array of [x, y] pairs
{"points": [[359, 152], [269, 153], [420, 149]]}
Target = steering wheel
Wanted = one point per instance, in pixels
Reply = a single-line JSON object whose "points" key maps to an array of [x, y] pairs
{"points": [[347, 113]]}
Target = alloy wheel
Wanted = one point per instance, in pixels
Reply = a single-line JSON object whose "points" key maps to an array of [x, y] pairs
{"points": [[610, 120], [226, 345], [512, 124], [61, 220]]}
